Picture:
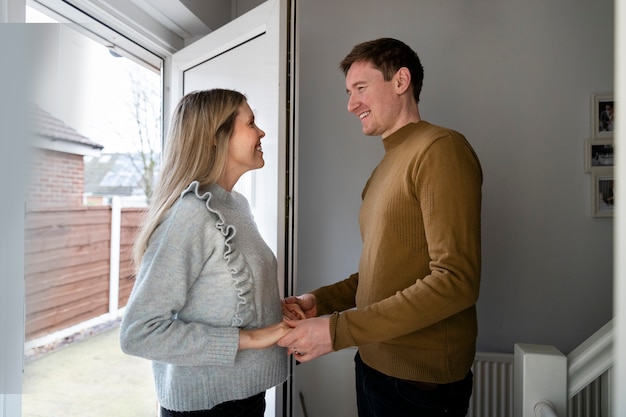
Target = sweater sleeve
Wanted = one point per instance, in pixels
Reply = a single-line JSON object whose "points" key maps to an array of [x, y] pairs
{"points": [[447, 182], [151, 328], [337, 297]]}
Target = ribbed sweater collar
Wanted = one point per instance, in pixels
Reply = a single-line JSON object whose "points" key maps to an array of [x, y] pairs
{"points": [[400, 135]]}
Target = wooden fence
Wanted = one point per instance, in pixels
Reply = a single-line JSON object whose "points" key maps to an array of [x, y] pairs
{"points": [[68, 266]]}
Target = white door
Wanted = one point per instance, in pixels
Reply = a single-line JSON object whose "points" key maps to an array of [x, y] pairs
{"points": [[250, 55]]}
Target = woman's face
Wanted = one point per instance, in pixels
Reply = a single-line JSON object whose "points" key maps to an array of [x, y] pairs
{"points": [[244, 147]]}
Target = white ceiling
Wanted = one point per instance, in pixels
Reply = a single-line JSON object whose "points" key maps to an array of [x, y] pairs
{"points": [[189, 19], [192, 19]]}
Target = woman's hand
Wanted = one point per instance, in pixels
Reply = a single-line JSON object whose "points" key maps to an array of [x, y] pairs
{"points": [[262, 338], [301, 307], [292, 311]]}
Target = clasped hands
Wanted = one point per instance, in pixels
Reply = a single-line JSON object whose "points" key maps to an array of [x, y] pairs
{"points": [[309, 337], [303, 334]]}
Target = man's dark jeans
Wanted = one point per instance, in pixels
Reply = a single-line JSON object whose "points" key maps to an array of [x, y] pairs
{"points": [[379, 395]]}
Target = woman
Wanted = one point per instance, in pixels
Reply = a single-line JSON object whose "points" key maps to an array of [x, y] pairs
{"points": [[205, 307]]}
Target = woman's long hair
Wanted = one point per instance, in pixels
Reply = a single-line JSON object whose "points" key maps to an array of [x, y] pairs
{"points": [[196, 150]]}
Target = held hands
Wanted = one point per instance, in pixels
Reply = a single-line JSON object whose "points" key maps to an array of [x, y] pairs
{"points": [[292, 311], [299, 308], [294, 308], [309, 337]]}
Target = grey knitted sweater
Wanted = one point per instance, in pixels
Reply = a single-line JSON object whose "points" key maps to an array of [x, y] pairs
{"points": [[206, 273]]}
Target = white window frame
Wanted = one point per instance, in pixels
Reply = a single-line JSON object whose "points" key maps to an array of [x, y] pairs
{"points": [[131, 35]]}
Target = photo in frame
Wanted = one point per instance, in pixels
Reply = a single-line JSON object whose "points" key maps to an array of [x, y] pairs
{"points": [[603, 198], [599, 154], [602, 115]]}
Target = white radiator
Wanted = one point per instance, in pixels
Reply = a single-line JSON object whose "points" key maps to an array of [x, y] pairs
{"points": [[493, 390], [493, 385]]}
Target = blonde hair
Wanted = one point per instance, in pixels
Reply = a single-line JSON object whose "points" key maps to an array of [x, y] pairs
{"points": [[196, 150]]}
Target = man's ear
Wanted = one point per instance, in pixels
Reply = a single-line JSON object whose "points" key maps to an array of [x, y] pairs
{"points": [[402, 80]]}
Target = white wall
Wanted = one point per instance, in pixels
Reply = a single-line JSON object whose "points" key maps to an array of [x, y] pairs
{"points": [[516, 77]]}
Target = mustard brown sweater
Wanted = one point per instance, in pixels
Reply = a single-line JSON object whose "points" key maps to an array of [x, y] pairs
{"points": [[417, 285]]}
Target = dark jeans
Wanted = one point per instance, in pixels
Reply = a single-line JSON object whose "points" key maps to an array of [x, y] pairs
{"points": [[249, 407], [379, 395]]}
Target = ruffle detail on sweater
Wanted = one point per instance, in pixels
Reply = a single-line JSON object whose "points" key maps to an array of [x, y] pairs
{"points": [[235, 261]]}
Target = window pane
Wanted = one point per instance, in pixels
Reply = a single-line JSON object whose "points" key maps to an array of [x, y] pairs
{"points": [[96, 116]]}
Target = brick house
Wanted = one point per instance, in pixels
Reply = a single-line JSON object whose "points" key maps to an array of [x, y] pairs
{"points": [[77, 267], [57, 173]]}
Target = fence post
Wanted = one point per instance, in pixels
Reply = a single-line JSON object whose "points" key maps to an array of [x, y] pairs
{"points": [[540, 375], [114, 267]]}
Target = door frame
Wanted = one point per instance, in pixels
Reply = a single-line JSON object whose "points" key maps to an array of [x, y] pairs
{"points": [[248, 26]]}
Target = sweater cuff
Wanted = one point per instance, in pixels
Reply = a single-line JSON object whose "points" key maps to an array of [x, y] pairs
{"points": [[340, 335]]}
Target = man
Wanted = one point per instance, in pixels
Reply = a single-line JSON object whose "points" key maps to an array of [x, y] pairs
{"points": [[417, 284]]}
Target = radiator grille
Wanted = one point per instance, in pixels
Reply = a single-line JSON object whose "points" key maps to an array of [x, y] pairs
{"points": [[493, 386], [493, 390]]}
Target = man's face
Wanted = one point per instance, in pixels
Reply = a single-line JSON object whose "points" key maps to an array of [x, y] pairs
{"points": [[372, 99]]}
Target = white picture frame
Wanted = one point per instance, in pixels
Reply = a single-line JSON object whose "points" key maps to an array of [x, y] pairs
{"points": [[602, 192], [602, 115], [599, 155]]}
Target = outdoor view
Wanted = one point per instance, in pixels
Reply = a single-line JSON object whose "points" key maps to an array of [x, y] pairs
{"points": [[96, 115]]}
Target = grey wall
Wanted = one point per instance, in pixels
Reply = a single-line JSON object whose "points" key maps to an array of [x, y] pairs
{"points": [[516, 77]]}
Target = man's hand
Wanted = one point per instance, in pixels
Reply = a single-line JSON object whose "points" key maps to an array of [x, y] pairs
{"points": [[309, 339], [305, 303]]}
